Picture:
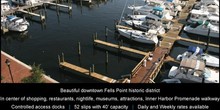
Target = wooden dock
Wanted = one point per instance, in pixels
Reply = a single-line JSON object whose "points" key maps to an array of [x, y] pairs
{"points": [[96, 41], [86, 72], [42, 17]]}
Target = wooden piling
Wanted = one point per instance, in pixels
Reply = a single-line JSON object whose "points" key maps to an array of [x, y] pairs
{"points": [[63, 57], [106, 57], [59, 59], [79, 48], [89, 71], [93, 68]]}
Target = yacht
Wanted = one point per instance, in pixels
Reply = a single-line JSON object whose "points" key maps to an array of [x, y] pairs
{"points": [[14, 23], [5, 6], [194, 70], [203, 28]]}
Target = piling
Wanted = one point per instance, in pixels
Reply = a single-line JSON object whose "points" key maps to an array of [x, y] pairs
{"points": [[79, 49], [106, 57], [63, 57], [93, 68]]}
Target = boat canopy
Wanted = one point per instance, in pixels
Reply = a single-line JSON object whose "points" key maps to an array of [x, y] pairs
{"points": [[11, 17], [170, 0], [158, 8], [193, 64], [193, 49]]}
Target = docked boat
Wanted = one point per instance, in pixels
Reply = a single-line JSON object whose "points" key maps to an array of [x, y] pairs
{"points": [[14, 23], [146, 25], [204, 14], [194, 70], [157, 13], [197, 53], [25, 2], [202, 28], [4, 6], [174, 80], [149, 37]]}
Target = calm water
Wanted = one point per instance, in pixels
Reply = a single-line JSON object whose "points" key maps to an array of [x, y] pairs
{"points": [[43, 43]]}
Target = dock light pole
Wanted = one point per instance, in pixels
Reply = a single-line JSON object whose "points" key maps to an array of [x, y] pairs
{"points": [[9, 67]]}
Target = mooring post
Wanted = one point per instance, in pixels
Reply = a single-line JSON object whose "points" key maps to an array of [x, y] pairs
{"points": [[62, 57], [93, 68], [89, 71], [119, 46], [106, 32], [79, 49], [94, 44], [106, 57]]}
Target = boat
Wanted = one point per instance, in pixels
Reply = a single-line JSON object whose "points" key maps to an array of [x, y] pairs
{"points": [[25, 2], [157, 13], [149, 37], [197, 53], [146, 25], [203, 28], [204, 14], [209, 3], [194, 70], [174, 80], [14, 23], [4, 6]]}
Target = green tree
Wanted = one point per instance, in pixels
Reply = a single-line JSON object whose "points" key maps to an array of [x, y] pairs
{"points": [[36, 75]]}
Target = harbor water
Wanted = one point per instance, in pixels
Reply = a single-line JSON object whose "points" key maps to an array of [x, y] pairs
{"points": [[61, 33]]}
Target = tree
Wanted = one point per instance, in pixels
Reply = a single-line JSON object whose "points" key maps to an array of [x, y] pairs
{"points": [[36, 75]]}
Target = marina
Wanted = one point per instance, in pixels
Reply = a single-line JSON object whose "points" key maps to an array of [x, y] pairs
{"points": [[144, 70]]}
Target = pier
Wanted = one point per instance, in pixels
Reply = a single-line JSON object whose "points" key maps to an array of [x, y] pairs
{"points": [[96, 41], [40, 4], [84, 71]]}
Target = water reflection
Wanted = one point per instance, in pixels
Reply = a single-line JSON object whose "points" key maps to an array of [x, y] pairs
{"points": [[8, 38]]}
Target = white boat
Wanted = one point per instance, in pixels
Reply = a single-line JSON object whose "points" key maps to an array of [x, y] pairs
{"points": [[157, 13], [174, 80], [146, 25], [14, 23], [149, 37], [211, 3], [204, 14], [25, 2], [5, 6], [194, 70], [197, 53], [202, 28]]}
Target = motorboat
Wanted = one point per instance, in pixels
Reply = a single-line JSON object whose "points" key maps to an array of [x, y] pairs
{"points": [[197, 53], [157, 13], [204, 14], [173, 80], [5, 6], [146, 25], [25, 2], [14, 23], [149, 37], [194, 70], [203, 28]]}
